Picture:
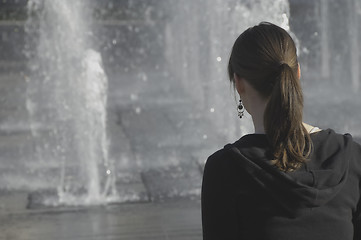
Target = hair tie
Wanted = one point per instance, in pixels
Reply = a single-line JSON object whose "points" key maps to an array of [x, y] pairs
{"points": [[282, 63]]}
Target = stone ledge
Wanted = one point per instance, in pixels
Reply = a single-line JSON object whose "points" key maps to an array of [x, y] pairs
{"points": [[13, 201], [182, 181], [128, 189], [173, 182]]}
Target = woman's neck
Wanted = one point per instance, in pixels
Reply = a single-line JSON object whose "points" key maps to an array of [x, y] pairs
{"points": [[259, 127], [258, 117]]}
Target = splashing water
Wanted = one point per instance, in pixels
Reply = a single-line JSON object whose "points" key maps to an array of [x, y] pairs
{"points": [[67, 86], [66, 100], [198, 43]]}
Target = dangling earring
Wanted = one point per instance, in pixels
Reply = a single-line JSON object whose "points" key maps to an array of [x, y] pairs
{"points": [[240, 109]]}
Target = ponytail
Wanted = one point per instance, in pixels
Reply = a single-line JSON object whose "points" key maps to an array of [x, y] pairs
{"points": [[266, 57], [290, 141]]}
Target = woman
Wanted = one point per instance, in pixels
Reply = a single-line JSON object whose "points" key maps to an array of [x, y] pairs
{"points": [[288, 180]]}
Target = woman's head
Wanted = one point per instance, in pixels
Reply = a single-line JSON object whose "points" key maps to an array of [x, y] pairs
{"points": [[265, 56], [260, 53]]}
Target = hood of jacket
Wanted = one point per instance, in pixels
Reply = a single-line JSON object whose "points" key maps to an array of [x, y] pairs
{"points": [[312, 185]]}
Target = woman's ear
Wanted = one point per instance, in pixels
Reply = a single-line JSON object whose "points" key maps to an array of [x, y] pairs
{"points": [[239, 82], [299, 71]]}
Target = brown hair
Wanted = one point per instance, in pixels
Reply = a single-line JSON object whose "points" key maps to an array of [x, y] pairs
{"points": [[266, 57]]}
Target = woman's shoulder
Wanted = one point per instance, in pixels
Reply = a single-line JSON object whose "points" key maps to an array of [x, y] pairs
{"points": [[217, 158], [328, 143], [222, 160], [331, 137], [356, 146]]}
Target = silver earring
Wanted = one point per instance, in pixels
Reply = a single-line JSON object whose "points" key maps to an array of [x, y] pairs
{"points": [[240, 109]]}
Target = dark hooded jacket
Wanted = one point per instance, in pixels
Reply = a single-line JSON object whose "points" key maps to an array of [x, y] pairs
{"points": [[246, 197]]}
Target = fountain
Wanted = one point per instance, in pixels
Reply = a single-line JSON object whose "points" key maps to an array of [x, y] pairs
{"points": [[199, 39], [67, 87], [347, 54], [66, 101], [330, 62]]}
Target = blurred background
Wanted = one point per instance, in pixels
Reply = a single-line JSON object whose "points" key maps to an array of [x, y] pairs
{"points": [[115, 101]]}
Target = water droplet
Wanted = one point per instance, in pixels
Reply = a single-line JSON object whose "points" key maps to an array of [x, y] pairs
{"points": [[109, 172], [219, 59], [205, 136], [133, 97], [211, 110], [138, 110], [143, 77], [114, 41], [305, 50], [285, 22], [141, 50]]}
